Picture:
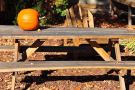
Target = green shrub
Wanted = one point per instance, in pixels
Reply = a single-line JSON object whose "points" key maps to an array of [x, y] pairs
{"points": [[52, 10], [129, 44], [60, 7]]}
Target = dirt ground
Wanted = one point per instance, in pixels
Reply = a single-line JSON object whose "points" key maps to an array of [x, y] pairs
{"points": [[80, 79]]}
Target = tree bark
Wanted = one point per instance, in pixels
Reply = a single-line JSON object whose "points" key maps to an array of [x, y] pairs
{"points": [[2, 5]]}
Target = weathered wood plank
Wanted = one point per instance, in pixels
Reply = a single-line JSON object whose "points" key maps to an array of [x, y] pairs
{"points": [[122, 83], [78, 16], [85, 17], [68, 19], [90, 19], [118, 58], [61, 33], [16, 56], [117, 52], [100, 51], [73, 18], [54, 65]]}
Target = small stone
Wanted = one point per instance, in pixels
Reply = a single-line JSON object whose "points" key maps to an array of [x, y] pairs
{"points": [[39, 30]]}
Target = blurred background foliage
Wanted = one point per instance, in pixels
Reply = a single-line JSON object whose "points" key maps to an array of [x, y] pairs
{"points": [[53, 11], [129, 44]]}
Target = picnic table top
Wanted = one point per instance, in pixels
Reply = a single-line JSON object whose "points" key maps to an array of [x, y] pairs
{"points": [[57, 32]]}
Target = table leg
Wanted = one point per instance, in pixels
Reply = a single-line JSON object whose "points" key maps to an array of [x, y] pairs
{"points": [[129, 17], [76, 42], [14, 74], [118, 58]]}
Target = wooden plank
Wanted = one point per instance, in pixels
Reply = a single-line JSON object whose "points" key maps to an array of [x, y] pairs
{"points": [[78, 16], [68, 19], [55, 65], [129, 16], [76, 42], [14, 74], [65, 42], [73, 18], [13, 80], [117, 52], [14, 32], [89, 6], [122, 83], [100, 51], [90, 19], [16, 52], [84, 17], [118, 58]]}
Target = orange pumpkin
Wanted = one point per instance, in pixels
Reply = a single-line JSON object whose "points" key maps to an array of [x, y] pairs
{"points": [[28, 19]]}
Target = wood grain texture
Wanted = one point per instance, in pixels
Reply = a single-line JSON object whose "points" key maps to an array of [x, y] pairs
{"points": [[55, 65], [118, 58], [90, 19], [100, 51], [15, 32]]}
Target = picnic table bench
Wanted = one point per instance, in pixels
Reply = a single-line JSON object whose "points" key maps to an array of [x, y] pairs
{"points": [[88, 34]]}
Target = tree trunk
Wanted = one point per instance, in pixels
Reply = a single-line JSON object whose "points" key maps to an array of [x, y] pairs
{"points": [[2, 5]]}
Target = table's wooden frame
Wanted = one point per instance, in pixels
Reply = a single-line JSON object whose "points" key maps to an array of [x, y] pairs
{"points": [[88, 34]]}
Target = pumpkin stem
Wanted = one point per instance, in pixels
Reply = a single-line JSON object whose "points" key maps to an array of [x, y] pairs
{"points": [[42, 17]]}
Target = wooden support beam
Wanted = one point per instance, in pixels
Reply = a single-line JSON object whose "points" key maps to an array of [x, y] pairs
{"points": [[117, 52], [77, 12], [34, 47], [118, 58], [84, 17], [72, 15], [100, 51], [68, 19], [76, 42], [16, 55], [13, 80], [111, 7], [90, 19], [129, 16], [122, 83], [65, 42]]}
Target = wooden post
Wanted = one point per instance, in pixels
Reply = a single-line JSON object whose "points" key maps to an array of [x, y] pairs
{"points": [[118, 58], [76, 42], [65, 42], [111, 7], [129, 17], [117, 51], [16, 55], [72, 15]]}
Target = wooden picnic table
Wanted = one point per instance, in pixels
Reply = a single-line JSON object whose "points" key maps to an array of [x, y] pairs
{"points": [[88, 34]]}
